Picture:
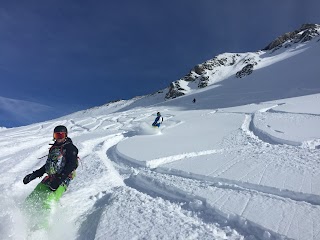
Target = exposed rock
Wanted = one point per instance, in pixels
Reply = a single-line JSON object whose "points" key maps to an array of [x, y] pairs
{"points": [[309, 34], [199, 69], [199, 73], [203, 81], [250, 61], [189, 77], [246, 70], [175, 90], [303, 34]]}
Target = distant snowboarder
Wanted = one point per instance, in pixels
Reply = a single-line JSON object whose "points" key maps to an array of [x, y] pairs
{"points": [[159, 119], [194, 100]]}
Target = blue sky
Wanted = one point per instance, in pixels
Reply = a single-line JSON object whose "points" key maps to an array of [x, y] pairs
{"points": [[78, 54]]}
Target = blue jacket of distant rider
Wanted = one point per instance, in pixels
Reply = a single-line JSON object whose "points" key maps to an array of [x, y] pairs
{"points": [[157, 122]]}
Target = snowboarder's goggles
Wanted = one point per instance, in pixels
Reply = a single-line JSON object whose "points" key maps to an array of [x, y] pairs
{"points": [[59, 135]]}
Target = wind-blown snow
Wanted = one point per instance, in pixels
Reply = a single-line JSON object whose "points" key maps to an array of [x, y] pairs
{"points": [[240, 163], [17, 112]]}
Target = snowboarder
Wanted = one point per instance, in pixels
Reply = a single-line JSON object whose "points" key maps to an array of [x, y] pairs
{"points": [[194, 100], [158, 120], [60, 165]]}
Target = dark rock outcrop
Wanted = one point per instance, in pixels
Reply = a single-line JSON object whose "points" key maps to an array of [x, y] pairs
{"points": [[199, 73], [175, 90], [246, 70], [309, 31], [203, 81]]}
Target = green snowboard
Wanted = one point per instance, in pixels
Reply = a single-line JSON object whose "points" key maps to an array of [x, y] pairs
{"points": [[39, 203]]}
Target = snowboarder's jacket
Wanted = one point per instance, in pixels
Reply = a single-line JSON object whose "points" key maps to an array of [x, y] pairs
{"points": [[157, 121], [60, 165]]}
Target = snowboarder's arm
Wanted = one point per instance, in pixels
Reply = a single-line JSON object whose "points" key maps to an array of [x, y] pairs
{"points": [[41, 171], [156, 120], [34, 175]]}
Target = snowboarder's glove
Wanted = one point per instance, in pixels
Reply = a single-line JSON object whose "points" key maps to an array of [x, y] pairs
{"points": [[27, 178], [32, 176], [55, 183]]}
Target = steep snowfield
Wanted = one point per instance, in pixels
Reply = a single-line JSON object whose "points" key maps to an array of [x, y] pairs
{"points": [[242, 162]]}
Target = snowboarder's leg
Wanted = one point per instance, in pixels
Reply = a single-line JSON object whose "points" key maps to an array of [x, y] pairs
{"points": [[38, 204], [54, 196]]}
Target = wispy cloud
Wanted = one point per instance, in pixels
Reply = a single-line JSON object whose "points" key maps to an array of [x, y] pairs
{"points": [[15, 112]]}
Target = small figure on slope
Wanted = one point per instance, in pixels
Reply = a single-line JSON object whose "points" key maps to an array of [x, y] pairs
{"points": [[158, 120]]}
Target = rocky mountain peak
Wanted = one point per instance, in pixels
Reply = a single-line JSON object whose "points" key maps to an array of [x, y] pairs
{"points": [[238, 64], [305, 33]]}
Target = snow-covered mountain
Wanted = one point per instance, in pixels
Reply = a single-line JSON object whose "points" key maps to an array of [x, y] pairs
{"points": [[242, 162], [240, 65], [234, 69]]}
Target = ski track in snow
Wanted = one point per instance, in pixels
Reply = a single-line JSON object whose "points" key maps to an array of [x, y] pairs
{"points": [[256, 189], [103, 197]]}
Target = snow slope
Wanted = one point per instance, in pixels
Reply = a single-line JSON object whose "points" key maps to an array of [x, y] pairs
{"points": [[242, 162]]}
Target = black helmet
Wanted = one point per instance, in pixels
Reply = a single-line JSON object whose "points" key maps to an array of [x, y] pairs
{"points": [[60, 128], [158, 114]]}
